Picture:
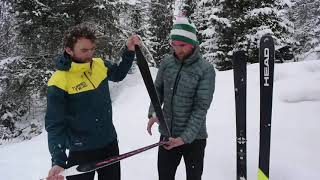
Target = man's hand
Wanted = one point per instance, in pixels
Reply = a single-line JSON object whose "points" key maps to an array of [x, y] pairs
{"points": [[54, 173], [152, 120], [132, 41], [173, 142]]}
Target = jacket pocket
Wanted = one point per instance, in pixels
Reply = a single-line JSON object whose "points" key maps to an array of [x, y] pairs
{"points": [[187, 85]]}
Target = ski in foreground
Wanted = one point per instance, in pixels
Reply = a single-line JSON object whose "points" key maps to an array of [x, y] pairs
{"points": [[266, 56]]}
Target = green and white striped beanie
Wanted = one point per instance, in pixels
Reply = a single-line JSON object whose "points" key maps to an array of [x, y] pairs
{"points": [[184, 30]]}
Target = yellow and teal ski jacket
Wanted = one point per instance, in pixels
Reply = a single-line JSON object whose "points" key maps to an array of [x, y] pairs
{"points": [[79, 110]]}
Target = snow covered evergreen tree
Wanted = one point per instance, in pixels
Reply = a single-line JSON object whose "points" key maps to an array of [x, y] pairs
{"points": [[42, 23], [206, 19], [306, 17], [137, 16], [186, 7], [161, 19], [141, 24], [249, 21], [134, 19], [7, 31], [23, 88], [238, 25]]}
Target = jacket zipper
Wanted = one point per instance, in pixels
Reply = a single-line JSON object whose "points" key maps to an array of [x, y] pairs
{"points": [[89, 80], [175, 86]]}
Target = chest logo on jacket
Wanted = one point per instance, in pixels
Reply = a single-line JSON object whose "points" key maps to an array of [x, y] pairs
{"points": [[79, 86]]}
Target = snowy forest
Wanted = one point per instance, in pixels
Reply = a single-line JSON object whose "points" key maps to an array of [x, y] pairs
{"points": [[31, 34]]}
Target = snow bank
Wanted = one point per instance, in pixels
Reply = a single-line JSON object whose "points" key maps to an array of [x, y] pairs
{"points": [[297, 82], [295, 131]]}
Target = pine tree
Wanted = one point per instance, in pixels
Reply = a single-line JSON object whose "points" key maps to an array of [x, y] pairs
{"points": [[23, 89], [106, 19], [41, 23], [206, 20], [7, 31], [306, 17], [161, 20], [137, 16], [238, 25], [186, 7]]}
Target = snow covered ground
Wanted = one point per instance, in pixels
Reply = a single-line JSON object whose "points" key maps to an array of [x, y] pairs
{"points": [[295, 144]]}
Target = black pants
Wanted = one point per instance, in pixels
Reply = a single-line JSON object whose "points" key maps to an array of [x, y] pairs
{"points": [[193, 155], [111, 172]]}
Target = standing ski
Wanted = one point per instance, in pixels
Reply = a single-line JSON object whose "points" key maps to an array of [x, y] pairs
{"points": [[266, 55], [240, 88], [147, 78]]}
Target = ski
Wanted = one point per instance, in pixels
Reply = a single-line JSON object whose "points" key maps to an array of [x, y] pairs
{"points": [[89, 167], [147, 78], [266, 56], [240, 89]]}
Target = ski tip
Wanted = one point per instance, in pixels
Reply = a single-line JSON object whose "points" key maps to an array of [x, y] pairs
{"points": [[266, 38], [238, 56]]}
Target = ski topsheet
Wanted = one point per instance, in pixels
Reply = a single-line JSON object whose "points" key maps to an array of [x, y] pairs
{"points": [[240, 89], [266, 56]]}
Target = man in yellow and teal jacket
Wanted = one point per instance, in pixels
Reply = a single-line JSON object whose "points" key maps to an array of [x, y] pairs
{"points": [[79, 109]]}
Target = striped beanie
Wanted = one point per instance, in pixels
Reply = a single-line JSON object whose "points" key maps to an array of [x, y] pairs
{"points": [[184, 30]]}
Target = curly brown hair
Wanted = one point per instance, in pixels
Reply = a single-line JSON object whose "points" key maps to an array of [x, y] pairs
{"points": [[72, 35]]}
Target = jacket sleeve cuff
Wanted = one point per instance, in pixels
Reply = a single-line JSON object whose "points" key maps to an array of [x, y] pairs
{"points": [[187, 139], [128, 53], [59, 163], [153, 114], [59, 159]]}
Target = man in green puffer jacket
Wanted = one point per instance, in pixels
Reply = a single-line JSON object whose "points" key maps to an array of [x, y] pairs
{"points": [[79, 109], [185, 85]]}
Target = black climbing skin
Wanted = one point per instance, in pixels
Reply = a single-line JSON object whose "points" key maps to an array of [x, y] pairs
{"points": [[147, 78]]}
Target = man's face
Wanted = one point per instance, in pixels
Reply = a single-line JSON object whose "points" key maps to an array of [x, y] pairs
{"points": [[82, 51], [182, 51]]}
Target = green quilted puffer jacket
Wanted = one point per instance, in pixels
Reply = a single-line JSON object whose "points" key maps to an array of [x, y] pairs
{"points": [[185, 89]]}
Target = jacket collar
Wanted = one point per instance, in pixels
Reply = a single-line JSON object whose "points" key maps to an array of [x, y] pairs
{"points": [[64, 63], [80, 67]]}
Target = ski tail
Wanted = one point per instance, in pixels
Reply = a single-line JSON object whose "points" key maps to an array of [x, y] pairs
{"points": [[147, 78], [261, 175], [266, 56], [240, 87]]}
